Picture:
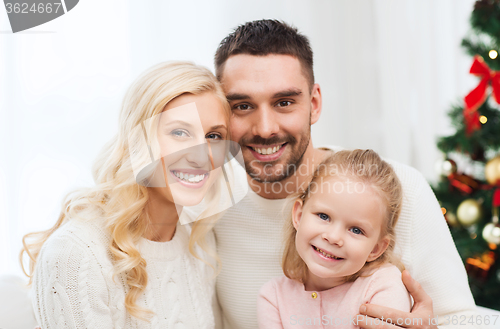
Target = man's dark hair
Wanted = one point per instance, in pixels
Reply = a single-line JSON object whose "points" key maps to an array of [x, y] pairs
{"points": [[264, 37]]}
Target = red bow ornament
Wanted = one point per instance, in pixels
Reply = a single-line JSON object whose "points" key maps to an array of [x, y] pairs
{"points": [[478, 95]]}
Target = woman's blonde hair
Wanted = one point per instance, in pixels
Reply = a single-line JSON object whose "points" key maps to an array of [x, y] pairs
{"points": [[116, 196], [363, 166]]}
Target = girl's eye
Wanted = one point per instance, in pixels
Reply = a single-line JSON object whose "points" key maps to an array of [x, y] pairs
{"points": [[284, 103], [323, 216], [356, 230], [180, 133], [242, 107], [214, 136]]}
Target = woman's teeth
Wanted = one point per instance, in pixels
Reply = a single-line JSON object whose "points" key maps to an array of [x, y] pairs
{"points": [[189, 177], [325, 254], [269, 150]]}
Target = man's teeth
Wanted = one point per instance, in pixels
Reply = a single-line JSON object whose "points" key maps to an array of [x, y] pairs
{"points": [[269, 150], [189, 177], [326, 254]]}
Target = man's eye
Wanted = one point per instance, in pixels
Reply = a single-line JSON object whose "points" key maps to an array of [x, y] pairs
{"points": [[356, 230], [323, 216], [284, 103], [242, 107], [180, 133]]}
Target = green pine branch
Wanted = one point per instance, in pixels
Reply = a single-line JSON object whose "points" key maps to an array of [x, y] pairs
{"points": [[484, 36], [486, 138]]}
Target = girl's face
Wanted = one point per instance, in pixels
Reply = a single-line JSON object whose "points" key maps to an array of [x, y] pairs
{"points": [[338, 230], [191, 131]]}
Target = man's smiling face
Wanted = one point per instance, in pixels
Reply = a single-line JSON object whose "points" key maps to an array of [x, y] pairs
{"points": [[271, 106]]}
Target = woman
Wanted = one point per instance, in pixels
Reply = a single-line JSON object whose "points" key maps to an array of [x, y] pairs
{"points": [[118, 257]]}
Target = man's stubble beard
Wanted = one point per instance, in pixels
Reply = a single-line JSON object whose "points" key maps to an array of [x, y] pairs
{"points": [[268, 172]]}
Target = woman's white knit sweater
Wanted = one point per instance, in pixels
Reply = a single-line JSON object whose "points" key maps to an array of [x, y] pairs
{"points": [[73, 283]]}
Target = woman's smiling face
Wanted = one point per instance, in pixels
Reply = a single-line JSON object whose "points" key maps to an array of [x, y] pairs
{"points": [[338, 230], [191, 129]]}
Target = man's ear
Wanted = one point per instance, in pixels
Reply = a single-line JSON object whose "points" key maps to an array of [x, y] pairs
{"points": [[379, 248], [316, 103], [297, 213]]}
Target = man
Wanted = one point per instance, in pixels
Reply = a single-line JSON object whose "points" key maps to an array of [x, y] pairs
{"points": [[266, 69]]}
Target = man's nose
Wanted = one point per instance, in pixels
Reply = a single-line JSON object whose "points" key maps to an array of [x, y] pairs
{"points": [[266, 123]]}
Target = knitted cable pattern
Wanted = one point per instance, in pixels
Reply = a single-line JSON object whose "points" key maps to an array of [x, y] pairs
{"points": [[73, 285]]}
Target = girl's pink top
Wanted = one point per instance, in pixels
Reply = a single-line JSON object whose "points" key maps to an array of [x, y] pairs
{"points": [[284, 303]]}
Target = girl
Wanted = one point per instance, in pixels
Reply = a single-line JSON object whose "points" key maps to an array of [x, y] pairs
{"points": [[338, 247], [118, 256]]}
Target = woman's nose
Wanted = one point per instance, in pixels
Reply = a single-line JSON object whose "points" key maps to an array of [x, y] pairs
{"points": [[198, 155]]}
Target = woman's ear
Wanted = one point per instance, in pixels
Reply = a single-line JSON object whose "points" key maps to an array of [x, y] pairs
{"points": [[379, 248], [297, 213]]}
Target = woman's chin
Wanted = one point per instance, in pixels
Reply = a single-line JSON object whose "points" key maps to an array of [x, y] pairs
{"points": [[187, 199]]}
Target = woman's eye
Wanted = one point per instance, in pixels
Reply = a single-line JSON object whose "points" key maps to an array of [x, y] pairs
{"points": [[284, 103], [179, 133], [242, 107], [356, 230], [323, 216], [214, 136]]}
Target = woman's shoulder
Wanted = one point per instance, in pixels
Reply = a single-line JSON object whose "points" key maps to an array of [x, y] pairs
{"points": [[77, 238]]}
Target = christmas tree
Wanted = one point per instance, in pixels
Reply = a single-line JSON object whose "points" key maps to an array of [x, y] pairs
{"points": [[469, 189]]}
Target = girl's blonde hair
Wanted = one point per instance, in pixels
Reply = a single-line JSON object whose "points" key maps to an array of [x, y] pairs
{"points": [[116, 196], [363, 166]]}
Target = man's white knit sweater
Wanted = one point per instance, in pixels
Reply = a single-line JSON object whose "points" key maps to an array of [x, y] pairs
{"points": [[250, 244], [73, 285]]}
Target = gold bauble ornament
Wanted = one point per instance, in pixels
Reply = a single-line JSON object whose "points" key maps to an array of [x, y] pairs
{"points": [[492, 170], [469, 212], [491, 233]]}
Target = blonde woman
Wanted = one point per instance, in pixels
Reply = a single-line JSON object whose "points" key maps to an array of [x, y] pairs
{"points": [[118, 257]]}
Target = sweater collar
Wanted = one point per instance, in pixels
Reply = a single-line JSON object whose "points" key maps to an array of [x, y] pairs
{"points": [[168, 249]]}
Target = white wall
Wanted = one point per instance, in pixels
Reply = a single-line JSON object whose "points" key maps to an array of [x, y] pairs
{"points": [[389, 71]]}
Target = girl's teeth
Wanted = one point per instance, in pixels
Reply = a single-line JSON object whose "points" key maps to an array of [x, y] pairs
{"points": [[325, 254]]}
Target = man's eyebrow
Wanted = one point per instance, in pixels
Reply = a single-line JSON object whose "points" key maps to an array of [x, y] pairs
{"points": [[236, 97], [285, 93], [288, 93]]}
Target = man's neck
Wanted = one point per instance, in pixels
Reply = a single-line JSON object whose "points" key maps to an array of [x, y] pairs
{"points": [[298, 181]]}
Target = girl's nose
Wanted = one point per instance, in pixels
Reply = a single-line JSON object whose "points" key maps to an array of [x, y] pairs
{"points": [[334, 236]]}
